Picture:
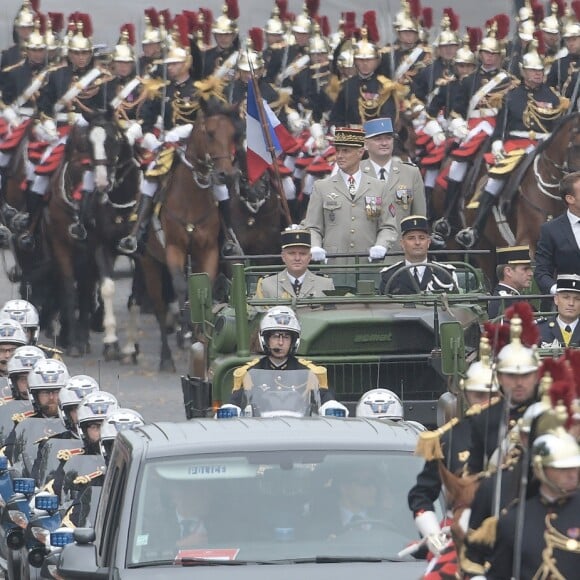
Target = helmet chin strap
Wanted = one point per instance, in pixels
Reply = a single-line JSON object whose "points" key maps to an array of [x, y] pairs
{"points": [[560, 492]]}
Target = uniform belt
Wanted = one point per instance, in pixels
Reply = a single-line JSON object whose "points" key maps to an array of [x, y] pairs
{"points": [[480, 113], [530, 135], [27, 111]]}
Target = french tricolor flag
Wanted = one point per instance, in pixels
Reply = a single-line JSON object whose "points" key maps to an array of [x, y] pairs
{"points": [[258, 154]]}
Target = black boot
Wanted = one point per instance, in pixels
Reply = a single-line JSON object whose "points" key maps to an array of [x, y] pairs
{"points": [[224, 207], [442, 226], [231, 246], [78, 230], [138, 236], [429, 204], [24, 222], [469, 236]]}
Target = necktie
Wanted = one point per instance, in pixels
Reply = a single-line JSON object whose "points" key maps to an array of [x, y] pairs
{"points": [[351, 186], [416, 275], [297, 285], [567, 334], [382, 174]]}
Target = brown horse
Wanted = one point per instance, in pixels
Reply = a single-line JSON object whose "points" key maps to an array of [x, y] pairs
{"points": [[189, 216]]}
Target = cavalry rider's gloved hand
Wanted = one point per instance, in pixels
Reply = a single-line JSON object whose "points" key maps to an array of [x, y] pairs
{"points": [[150, 142], [318, 254], [133, 132], [377, 253], [178, 133], [435, 131], [49, 131], [497, 150], [296, 123], [458, 128], [11, 117], [428, 526]]}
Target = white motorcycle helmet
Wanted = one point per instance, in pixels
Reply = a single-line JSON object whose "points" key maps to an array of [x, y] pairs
{"points": [[25, 314], [95, 407], [115, 422], [380, 404], [46, 374], [72, 395], [279, 319], [12, 332], [21, 362]]}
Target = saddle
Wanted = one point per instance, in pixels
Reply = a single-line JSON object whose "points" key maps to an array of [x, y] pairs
{"points": [[163, 162], [10, 140]]}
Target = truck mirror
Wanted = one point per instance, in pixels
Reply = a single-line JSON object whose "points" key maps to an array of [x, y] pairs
{"points": [[452, 349], [200, 298]]}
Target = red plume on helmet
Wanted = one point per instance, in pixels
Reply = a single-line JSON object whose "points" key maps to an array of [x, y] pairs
{"points": [[181, 25], [35, 5], [453, 18], [427, 17], [475, 35], [233, 9], [153, 16], [538, 12], [87, 24], [207, 24], [539, 36], [349, 26], [312, 7], [257, 36], [575, 5], [370, 23], [192, 20], [503, 25], [560, 7], [498, 334], [325, 26], [283, 9], [56, 20], [129, 28], [562, 389], [415, 8], [167, 19], [530, 333], [41, 21]]}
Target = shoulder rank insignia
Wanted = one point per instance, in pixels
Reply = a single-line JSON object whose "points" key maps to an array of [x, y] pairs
{"points": [[85, 479], [19, 417], [479, 407], [66, 454]]}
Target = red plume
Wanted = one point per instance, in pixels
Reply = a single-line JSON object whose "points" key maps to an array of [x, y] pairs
{"points": [[573, 356], [312, 6], [35, 5], [257, 36], [324, 26], [475, 35], [129, 28], [87, 24], [503, 25], [233, 9], [561, 7], [415, 7], [576, 7], [349, 17], [370, 22], [42, 22], [153, 16], [562, 389], [530, 332], [167, 20], [207, 24], [499, 335], [539, 36], [57, 21], [181, 24], [192, 20], [283, 8], [538, 12], [427, 17], [453, 18]]}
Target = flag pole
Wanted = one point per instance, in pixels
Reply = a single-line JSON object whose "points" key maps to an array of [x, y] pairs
{"points": [[269, 145]]}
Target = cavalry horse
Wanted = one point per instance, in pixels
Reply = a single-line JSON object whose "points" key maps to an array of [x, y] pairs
{"points": [[189, 215]]}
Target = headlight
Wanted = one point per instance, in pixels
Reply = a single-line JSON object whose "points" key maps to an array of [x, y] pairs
{"points": [[41, 535], [19, 518]]}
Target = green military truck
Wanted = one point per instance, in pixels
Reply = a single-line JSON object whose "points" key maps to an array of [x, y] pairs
{"points": [[365, 340]]}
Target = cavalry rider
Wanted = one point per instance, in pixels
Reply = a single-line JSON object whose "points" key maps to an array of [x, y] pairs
{"points": [[178, 109], [368, 94], [225, 32], [22, 29], [527, 117], [562, 75], [70, 91], [152, 46], [550, 27], [473, 114], [276, 51]]}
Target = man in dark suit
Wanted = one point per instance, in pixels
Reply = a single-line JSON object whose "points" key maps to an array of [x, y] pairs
{"points": [[563, 329], [415, 240], [558, 250], [514, 272]]}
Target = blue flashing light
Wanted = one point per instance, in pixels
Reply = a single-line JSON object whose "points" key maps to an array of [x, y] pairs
{"points": [[3, 463], [334, 412], [61, 538], [227, 413], [24, 485], [47, 503]]}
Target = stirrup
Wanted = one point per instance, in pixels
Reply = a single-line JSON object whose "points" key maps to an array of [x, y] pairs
{"points": [[20, 222], [8, 212], [442, 227], [127, 245], [26, 242], [77, 231], [231, 245], [466, 238]]}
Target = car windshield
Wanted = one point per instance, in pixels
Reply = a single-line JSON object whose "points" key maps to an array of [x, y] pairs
{"points": [[273, 506]]}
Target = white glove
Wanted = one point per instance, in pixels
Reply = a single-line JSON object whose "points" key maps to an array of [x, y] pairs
{"points": [[434, 130], [318, 254], [419, 122], [295, 122], [458, 128], [497, 150], [80, 120], [49, 130], [133, 133], [178, 133], [11, 117], [377, 253], [150, 142], [428, 526]]}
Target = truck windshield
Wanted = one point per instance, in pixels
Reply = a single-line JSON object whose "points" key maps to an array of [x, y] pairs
{"points": [[267, 506]]}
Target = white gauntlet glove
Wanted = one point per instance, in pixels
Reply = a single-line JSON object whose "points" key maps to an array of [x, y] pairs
{"points": [[133, 133], [178, 133], [49, 131], [11, 117], [428, 526], [150, 142], [497, 150], [435, 131], [318, 254], [458, 128], [377, 253]]}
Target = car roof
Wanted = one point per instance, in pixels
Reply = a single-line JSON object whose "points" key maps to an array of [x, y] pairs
{"points": [[269, 434]]}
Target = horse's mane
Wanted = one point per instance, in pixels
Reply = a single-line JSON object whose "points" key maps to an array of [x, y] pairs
{"points": [[559, 124], [214, 106]]}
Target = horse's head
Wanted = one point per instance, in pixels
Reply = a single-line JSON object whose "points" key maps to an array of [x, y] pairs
{"points": [[106, 141]]}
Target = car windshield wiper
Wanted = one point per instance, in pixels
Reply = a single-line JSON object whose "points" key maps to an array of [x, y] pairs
{"points": [[191, 562], [340, 559]]}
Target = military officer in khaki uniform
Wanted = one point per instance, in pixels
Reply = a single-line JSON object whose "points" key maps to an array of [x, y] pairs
{"points": [[351, 212], [403, 180], [296, 280]]}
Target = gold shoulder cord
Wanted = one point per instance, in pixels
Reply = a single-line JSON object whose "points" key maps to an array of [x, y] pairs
{"points": [[555, 540], [539, 115]]}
